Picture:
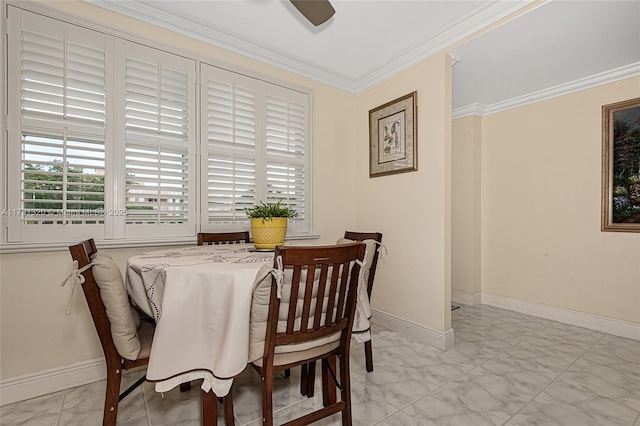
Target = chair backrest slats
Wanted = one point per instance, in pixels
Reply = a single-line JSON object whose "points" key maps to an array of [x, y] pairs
{"points": [[330, 291], [341, 294], [213, 238], [317, 316], [331, 300], [295, 288], [308, 295]]}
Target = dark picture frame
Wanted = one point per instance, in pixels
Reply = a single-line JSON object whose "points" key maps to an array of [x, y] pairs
{"points": [[621, 166], [393, 137]]}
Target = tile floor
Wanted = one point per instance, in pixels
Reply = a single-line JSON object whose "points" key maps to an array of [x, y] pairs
{"points": [[506, 369]]}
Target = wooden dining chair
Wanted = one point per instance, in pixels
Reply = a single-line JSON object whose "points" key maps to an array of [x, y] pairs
{"points": [[211, 238], [307, 375], [124, 344], [363, 236], [302, 314]]}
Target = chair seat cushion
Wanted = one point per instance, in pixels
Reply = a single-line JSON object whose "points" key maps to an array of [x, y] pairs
{"points": [[116, 302], [286, 358]]}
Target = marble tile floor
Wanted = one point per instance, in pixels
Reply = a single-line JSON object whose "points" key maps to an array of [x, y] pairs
{"points": [[506, 369]]}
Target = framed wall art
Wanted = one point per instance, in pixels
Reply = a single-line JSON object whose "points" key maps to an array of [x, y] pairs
{"points": [[621, 166], [393, 137]]}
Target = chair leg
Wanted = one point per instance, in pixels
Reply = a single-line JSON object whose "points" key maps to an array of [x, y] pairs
{"points": [[112, 395], [185, 386], [229, 420], [209, 408], [304, 379], [287, 372], [345, 394], [311, 379], [329, 395], [368, 353], [307, 379], [267, 401]]}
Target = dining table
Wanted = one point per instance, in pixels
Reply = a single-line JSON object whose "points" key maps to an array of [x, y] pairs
{"points": [[200, 298]]}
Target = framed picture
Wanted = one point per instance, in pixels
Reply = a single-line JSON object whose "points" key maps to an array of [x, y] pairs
{"points": [[621, 166], [393, 134]]}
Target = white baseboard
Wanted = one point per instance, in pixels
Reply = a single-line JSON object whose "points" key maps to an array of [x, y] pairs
{"points": [[44, 382], [466, 298], [629, 330], [439, 339]]}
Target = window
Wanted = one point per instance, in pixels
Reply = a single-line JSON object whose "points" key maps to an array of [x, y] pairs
{"points": [[255, 150], [229, 155], [105, 138], [158, 110], [57, 151]]}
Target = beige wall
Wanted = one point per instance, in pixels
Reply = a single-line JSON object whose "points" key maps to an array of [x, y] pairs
{"points": [[35, 332], [465, 204], [411, 209], [541, 185]]}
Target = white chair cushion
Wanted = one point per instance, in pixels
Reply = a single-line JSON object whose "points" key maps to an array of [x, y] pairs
{"points": [[116, 301], [361, 320], [260, 313], [370, 251]]}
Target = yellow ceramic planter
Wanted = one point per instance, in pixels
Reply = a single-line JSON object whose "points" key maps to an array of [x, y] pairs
{"points": [[268, 233]]}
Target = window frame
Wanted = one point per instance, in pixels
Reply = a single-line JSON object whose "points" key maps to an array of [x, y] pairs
{"points": [[113, 227]]}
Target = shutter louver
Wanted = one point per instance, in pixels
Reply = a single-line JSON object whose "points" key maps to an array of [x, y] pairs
{"points": [[231, 162], [157, 142], [63, 180], [286, 141], [62, 80], [157, 190], [156, 103], [63, 112]]}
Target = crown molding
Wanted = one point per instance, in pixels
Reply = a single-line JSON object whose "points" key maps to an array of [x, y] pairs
{"points": [[605, 77], [627, 71], [224, 40], [471, 109], [463, 26]]}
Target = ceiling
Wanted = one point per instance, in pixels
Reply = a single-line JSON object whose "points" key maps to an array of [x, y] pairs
{"points": [[556, 47]]}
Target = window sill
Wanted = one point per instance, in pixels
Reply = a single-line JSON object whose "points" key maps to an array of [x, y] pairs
{"points": [[9, 248]]}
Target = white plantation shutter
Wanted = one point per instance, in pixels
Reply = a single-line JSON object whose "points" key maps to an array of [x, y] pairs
{"points": [[58, 96], [229, 154], [159, 108], [257, 149], [286, 133], [101, 139]]}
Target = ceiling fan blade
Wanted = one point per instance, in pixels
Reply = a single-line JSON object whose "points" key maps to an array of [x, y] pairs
{"points": [[316, 11]]}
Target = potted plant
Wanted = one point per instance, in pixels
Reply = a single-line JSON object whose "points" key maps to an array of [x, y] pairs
{"points": [[269, 223]]}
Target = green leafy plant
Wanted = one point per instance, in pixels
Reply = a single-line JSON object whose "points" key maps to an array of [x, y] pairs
{"points": [[270, 210]]}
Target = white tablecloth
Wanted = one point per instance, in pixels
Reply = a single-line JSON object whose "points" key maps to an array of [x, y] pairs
{"points": [[200, 298]]}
